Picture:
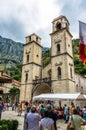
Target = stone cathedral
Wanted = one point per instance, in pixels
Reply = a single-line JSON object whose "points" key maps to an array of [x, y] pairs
{"points": [[56, 77]]}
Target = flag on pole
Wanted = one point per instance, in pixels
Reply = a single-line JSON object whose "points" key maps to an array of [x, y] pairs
{"points": [[82, 43]]}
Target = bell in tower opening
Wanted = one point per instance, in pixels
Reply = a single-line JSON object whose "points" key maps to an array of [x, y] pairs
{"points": [[60, 23]]}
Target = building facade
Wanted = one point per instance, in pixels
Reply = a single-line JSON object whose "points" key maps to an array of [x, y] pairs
{"points": [[6, 83], [56, 77]]}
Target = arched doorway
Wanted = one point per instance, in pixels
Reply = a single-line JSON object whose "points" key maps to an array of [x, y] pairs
{"points": [[41, 88]]}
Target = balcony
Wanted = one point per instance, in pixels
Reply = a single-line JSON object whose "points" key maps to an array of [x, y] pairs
{"points": [[44, 80]]}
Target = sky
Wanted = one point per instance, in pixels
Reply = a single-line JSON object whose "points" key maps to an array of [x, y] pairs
{"points": [[20, 18]]}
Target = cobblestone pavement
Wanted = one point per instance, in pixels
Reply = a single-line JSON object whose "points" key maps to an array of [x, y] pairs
{"points": [[14, 115]]}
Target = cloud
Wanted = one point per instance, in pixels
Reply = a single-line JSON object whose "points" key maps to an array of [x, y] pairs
{"points": [[24, 17], [21, 18], [74, 11]]}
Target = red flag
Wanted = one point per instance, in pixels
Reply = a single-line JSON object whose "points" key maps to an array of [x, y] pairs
{"points": [[82, 45]]}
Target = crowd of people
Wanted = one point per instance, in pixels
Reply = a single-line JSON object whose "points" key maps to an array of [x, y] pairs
{"points": [[44, 116], [40, 117]]}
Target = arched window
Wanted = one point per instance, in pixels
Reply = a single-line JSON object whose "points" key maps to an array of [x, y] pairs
{"points": [[71, 76], [29, 38], [82, 89], [58, 26], [59, 72], [27, 58], [36, 39], [58, 48], [49, 73], [26, 77], [77, 88]]}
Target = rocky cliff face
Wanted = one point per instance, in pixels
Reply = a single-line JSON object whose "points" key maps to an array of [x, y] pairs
{"points": [[10, 50]]}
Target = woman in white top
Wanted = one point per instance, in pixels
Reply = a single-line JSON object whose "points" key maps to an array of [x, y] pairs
{"points": [[46, 122]]}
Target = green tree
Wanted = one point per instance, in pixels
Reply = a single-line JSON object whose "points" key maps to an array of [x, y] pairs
{"points": [[15, 72], [14, 90]]}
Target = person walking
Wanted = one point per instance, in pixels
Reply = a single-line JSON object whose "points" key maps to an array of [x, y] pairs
{"points": [[52, 114], [75, 121], [27, 110], [32, 119], [19, 109], [1, 109], [46, 122], [42, 110], [66, 113], [84, 113]]}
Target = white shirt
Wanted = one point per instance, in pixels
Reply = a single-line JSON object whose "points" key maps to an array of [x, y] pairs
{"points": [[33, 121], [84, 110], [46, 123]]}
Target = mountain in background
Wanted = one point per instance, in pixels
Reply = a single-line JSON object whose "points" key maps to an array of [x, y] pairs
{"points": [[11, 54], [10, 51]]}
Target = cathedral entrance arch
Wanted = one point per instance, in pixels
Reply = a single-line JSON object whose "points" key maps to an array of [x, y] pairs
{"points": [[41, 88]]}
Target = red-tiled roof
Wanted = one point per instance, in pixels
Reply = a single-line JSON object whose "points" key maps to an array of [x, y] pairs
{"points": [[16, 83], [6, 75], [5, 78]]}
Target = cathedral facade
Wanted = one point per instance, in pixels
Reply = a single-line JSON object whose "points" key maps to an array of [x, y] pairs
{"points": [[56, 77]]}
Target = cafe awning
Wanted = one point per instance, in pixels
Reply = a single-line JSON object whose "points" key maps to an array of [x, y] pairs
{"points": [[60, 96]]}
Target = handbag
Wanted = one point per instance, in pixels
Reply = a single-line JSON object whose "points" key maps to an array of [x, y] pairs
{"points": [[73, 127]]}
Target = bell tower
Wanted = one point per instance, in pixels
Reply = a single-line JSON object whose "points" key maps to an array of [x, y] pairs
{"points": [[32, 66], [62, 57]]}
